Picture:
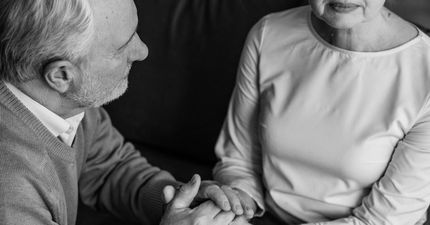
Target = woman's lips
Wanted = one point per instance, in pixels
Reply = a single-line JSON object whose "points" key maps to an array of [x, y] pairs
{"points": [[341, 7]]}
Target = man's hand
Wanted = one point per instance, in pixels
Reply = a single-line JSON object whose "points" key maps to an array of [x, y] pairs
{"points": [[240, 220], [227, 198], [179, 213]]}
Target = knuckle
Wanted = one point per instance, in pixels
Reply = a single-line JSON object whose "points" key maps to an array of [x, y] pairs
{"points": [[213, 190], [226, 187], [213, 187], [229, 192]]}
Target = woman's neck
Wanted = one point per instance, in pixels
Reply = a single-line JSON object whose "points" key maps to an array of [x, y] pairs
{"points": [[384, 32]]}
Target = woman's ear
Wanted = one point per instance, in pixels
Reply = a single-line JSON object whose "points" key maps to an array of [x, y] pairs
{"points": [[60, 75]]}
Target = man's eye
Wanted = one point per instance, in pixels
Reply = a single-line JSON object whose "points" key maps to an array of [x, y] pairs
{"points": [[128, 43]]}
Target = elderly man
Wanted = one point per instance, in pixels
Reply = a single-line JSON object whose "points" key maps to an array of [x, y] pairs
{"points": [[59, 61]]}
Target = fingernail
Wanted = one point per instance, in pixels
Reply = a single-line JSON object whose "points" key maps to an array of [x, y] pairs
{"points": [[181, 188], [250, 212], [178, 187], [194, 180], [239, 210], [226, 206]]}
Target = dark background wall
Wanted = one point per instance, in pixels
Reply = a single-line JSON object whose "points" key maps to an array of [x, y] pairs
{"points": [[417, 11]]}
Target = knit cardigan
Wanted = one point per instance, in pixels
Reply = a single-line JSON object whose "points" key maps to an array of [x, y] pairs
{"points": [[42, 178]]}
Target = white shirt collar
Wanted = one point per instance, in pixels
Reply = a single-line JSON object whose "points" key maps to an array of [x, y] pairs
{"points": [[70, 134], [54, 123]]}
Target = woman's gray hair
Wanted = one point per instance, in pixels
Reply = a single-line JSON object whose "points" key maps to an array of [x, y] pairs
{"points": [[36, 32]]}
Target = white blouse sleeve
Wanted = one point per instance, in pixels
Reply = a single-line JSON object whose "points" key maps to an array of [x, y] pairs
{"points": [[238, 147], [402, 195]]}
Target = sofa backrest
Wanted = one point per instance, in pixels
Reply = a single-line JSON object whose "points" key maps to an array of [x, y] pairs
{"points": [[178, 96]]}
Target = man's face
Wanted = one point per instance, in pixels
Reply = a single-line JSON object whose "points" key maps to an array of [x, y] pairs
{"points": [[115, 47]]}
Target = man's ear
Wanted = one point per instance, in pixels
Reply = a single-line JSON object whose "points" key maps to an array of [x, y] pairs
{"points": [[60, 75]]}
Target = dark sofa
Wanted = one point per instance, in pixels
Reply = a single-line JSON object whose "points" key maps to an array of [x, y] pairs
{"points": [[178, 97]]}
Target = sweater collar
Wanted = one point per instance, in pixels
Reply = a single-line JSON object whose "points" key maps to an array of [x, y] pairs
{"points": [[54, 123]]}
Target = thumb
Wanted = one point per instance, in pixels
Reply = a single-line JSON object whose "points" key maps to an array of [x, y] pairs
{"points": [[186, 193], [168, 193]]}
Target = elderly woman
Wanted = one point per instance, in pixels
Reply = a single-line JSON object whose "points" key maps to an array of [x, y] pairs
{"points": [[329, 122]]}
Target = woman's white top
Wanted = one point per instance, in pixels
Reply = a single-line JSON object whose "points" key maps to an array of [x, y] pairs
{"points": [[320, 133]]}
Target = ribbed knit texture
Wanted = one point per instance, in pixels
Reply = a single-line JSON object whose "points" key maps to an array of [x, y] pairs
{"points": [[40, 174]]}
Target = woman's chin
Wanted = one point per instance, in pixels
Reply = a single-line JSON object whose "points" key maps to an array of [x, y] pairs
{"points": [[341, 22]]}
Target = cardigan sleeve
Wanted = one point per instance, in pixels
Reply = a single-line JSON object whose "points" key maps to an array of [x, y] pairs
{"points": [[402, 195], [116, 178], [238, 147]]}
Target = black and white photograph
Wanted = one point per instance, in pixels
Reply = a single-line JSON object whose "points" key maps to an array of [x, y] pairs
{"points": [[214, 112]]}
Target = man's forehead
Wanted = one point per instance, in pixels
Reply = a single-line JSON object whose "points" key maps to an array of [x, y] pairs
{"points": [[114, 17]]}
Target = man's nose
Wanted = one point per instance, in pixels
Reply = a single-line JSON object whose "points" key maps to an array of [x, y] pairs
{"points": [[140, 51]]}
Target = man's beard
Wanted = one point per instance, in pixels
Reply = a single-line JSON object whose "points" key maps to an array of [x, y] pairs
{"points": [[94, 93]]}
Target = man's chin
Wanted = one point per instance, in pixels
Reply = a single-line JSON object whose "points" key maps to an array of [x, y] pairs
{"points": [[88, 98], [117, 92]]}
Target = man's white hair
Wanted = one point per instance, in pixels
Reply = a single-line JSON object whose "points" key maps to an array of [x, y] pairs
{"points": [[36, 32]]}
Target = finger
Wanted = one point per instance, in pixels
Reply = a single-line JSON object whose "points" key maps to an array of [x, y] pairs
{"points": [[186, 193], [224, 217], [240, 220], [207, 208], [248, 204], [214, 193], [249, 211], [234, 200], [168, 193]]}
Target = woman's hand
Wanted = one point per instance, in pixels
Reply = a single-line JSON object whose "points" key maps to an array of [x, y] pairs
{"points": [[248, 203], [178, 211], [227, 198]]}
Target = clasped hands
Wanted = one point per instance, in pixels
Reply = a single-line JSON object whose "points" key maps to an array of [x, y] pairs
{"points": [[214, 204]]}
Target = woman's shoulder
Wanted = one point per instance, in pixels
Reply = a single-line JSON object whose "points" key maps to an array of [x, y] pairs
{"points": [[425, 38], [418, 48], [421, 51], [289, 25]]}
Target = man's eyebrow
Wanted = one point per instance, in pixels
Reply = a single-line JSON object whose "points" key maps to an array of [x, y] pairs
{"points": [[129, 40]]}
